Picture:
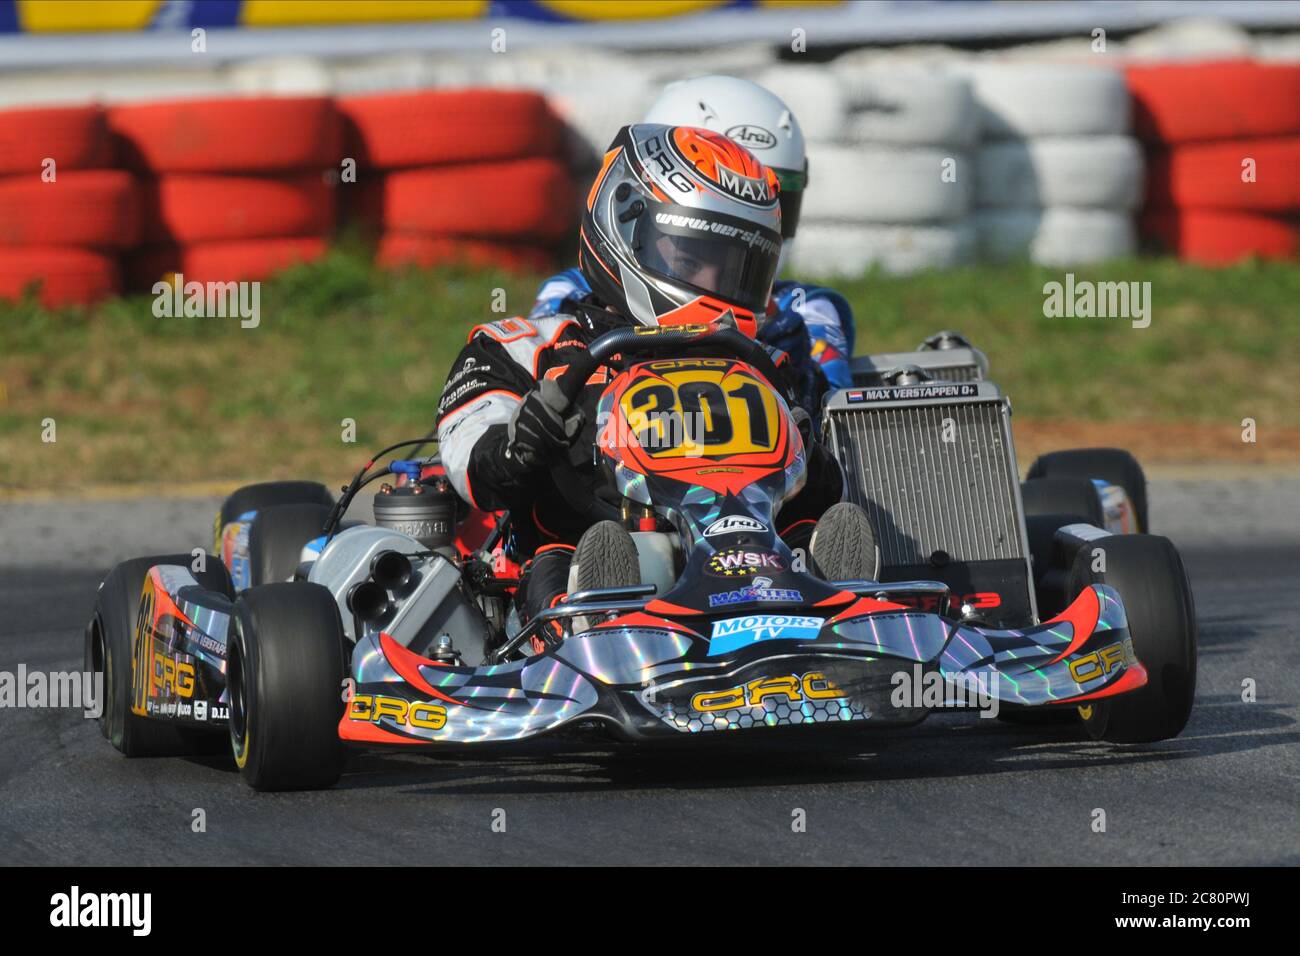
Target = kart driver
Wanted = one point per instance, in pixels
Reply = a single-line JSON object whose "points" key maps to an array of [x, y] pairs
{"points": [[812, 324], [680, 226]]}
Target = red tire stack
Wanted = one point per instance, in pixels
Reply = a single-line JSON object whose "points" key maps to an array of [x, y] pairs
{"points": [[1223, 162], [64, 216], [470, 176], [232, 189]]}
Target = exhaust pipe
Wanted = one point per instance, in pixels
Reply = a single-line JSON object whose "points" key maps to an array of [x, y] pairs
{"points": [[391, 570], [368, 601]]}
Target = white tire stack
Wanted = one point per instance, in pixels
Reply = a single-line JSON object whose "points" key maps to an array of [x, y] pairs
{"points": [[890, 179], [1057, 177]]}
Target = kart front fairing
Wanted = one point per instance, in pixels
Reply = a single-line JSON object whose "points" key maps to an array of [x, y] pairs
{"points": [[656, 672]]}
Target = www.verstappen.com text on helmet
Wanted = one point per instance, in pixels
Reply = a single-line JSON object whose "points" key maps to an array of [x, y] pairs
{"points": [[681, 225]]}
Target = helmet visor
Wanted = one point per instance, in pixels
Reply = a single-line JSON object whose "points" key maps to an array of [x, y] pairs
{"points": [[712, 253], [791, 196]]}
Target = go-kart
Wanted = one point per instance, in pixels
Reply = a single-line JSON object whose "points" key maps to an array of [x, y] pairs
{"points": [[686, 613]]}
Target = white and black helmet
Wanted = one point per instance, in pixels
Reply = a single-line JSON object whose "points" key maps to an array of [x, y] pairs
{"points": [[680, 226]]}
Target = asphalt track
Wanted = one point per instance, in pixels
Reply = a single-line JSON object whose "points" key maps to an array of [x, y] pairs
{"points": [[956, 790]]}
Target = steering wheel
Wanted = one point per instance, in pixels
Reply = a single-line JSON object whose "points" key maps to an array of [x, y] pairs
{"points": [[642, 340]]}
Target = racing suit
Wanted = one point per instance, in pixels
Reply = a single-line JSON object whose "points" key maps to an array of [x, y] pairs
{"points": [[501, 363]]}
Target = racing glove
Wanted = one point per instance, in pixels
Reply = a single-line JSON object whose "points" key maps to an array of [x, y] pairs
{"points": [[543, 424]]}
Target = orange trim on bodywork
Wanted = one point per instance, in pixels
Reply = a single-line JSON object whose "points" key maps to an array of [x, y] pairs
{"points": [[408, 663], [1081, 615], [1134, 677], [839, 597], [366, 732], [640, 619], [667, 607]]}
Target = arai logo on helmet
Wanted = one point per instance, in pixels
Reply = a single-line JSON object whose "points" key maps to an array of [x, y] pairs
{"points": [[753, 137], [734, 524]]}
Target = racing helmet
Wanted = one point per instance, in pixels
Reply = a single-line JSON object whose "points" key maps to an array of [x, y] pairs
{"points": [[751, 115], [680, 226]]}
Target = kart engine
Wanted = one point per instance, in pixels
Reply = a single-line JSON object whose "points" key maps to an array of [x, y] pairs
{"points": [[426, 512]]}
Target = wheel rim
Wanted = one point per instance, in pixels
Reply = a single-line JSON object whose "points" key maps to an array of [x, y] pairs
{"points": [[99, 666], [236, 684]]}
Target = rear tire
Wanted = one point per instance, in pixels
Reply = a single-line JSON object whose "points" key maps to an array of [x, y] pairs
{"points": [[110, 638], [1063, 496], [285, 668], [264, 495], [844, 545], [1148, 573], [1113, 465], [276, 538]]}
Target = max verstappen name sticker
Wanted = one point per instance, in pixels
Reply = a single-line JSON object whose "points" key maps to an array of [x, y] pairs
{"points": [[908, 392]]}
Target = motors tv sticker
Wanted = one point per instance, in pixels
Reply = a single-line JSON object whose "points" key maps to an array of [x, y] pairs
{"points": [[737, 632]]}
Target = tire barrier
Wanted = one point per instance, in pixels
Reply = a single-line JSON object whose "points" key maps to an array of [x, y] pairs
{"points": [[471, 176], [1223, 155], [228, 135], [231, 261], [63, 216], [1056, 236], [917, 160], [405, 130], [61, 276], [1057, 177]]}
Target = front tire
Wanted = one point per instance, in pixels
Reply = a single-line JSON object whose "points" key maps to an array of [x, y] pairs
{"points": [[285, 668], [1148, 573], [110, 647]]}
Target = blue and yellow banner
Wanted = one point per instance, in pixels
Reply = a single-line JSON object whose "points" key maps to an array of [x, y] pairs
{"points": [[83, 16]]}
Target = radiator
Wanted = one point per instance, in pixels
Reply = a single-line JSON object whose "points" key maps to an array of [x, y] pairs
{"points": [[945, 365], [944, 509]]}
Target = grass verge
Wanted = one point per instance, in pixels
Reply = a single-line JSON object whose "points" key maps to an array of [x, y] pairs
{"points": [[136, 398]]}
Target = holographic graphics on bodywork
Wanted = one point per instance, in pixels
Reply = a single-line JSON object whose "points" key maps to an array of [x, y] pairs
{"points": [[650, 674], [178, 649], [506, 701]]}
